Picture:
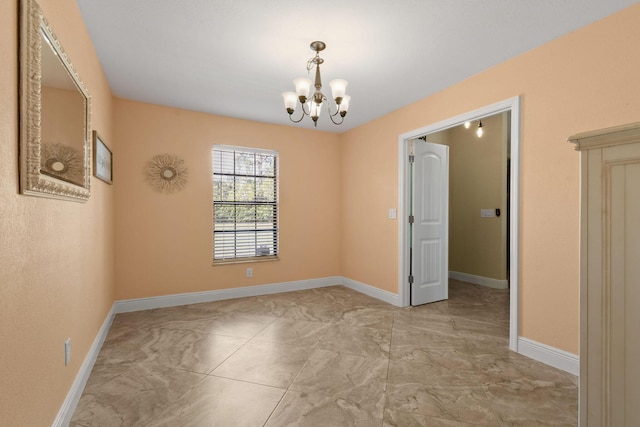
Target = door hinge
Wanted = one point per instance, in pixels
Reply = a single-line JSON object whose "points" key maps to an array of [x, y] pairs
{"points": [[411, 219], [412, 158], [411, 279]]}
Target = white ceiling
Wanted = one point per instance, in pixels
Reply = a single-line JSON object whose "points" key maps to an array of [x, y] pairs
{"points": [[235, 57]]}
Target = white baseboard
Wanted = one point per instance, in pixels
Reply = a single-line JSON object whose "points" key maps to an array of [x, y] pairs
{"points": [[549, 355], [125, 306], [75, 392], [386, 296], [480, 280]]}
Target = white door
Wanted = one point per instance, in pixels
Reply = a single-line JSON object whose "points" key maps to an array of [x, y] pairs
{"points": [[430, 255]]}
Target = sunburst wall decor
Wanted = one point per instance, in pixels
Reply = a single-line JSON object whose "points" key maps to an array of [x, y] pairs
{"points": [[166, 173], [62, 161]]}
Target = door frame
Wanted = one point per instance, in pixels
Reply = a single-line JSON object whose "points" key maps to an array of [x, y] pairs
{"points": [[404, 289]]}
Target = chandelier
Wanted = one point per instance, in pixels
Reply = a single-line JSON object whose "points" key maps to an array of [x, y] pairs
{"points": [[312, 106]]}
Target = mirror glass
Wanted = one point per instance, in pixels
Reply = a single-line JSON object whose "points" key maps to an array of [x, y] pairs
{"points": [[62, 119], [54, 132]]}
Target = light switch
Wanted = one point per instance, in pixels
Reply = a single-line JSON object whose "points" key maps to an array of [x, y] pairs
{"points": [[392, 213], [487, 213]]}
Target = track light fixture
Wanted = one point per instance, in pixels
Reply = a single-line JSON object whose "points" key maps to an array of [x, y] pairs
{"points": [[479, 129], [313, 106]]}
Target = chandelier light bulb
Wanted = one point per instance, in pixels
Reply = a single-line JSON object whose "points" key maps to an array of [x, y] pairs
{"points": [[344, 105], [290, 101], [303, 86], [480, 131], [338, 89], [467, 125]]}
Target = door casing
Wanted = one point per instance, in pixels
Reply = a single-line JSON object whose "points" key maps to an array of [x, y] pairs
{"points": [[404, 289]]}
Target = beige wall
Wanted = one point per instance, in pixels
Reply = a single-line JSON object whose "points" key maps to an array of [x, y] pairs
{"points": [[56, 257], [585, 80], [164, 242], [477, 180]]}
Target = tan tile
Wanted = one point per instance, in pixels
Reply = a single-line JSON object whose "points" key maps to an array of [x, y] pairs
{"points": [[461, 404], [408, 419], [313, 409], [401, 372], [438, 391], [271, 305], [353, 298], [264, 362], [528, 403], [368, 317], [357, 340], [131, 396], [509, 366], [173, 348], [316, 310], [340, 374], [221, 402], [426, 338], [409, 319], [417, 352], [233, 325], [302, 333]]}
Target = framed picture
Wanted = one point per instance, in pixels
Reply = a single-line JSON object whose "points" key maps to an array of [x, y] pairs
{"points": [[102, 159]]}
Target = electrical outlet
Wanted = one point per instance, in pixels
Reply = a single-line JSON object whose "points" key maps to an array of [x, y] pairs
{"points": [[249, 272], [67, 351]]}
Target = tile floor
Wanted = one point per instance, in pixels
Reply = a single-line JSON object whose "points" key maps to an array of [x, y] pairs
{"points": [[323, 357]]}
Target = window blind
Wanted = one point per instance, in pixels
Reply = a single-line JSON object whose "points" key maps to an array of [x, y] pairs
{"points": [[245, 203]]}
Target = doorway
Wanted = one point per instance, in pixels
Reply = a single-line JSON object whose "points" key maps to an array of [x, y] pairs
{"points": [[513, 106]]}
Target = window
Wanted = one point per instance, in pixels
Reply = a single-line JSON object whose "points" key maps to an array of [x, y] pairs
{"points": [[245, 204]]}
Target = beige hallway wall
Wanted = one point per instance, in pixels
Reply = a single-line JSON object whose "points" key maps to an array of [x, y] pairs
{"points": [[477, 180], [585, 80], [56, 257]]}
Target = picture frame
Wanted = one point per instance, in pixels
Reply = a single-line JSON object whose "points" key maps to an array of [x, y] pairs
{"points": [[102, 159]]}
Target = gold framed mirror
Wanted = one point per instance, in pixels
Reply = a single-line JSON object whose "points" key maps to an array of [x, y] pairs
{"points": [[55, 141]]}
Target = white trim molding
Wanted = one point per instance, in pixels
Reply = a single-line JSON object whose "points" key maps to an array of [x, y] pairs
{"points": [[480, 280], [549, 355], [372, 291], [75, 392], [512, 105], [174, 300]]}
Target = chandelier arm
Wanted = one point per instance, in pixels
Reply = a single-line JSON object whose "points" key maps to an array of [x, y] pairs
{"points": [[301, 116], [329, 110], [331, 116], [305, 112]]}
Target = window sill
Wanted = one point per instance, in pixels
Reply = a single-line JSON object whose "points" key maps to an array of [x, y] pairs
{"points": [[245, 260]]}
